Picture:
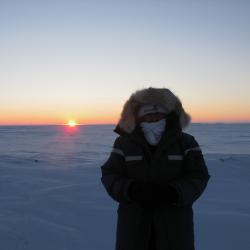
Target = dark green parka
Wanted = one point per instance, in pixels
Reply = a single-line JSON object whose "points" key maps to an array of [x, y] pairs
{"points": [[177, 160]]}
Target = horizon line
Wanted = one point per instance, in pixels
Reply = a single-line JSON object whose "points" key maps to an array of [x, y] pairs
{"points": [[102, 124]]}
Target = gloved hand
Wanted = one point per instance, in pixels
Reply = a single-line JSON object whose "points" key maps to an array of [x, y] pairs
{"points": [[141, 192], [152, 193], [164, 193]]}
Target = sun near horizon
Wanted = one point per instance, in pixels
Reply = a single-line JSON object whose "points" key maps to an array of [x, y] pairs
{"points": [[72, 123]]}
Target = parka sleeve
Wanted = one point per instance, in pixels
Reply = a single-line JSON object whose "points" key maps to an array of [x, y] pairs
{"points": [[114, 176], [195, 175]]}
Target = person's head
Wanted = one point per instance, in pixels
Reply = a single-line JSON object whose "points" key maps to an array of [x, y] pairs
{"points": [[151, 119], [162, 98]]}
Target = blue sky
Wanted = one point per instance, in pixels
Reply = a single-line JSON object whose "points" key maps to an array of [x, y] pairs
{"points": [[76, 59]]}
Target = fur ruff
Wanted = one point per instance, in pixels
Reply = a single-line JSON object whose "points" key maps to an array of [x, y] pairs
{"points": [[160, 96]]}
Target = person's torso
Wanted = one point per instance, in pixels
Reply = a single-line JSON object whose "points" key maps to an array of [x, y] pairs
{"points": [[164, 162]]}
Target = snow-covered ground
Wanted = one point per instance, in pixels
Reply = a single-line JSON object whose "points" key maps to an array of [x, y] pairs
{"points": [[51, 196]]}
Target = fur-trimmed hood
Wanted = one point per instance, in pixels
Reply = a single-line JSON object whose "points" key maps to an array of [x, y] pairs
{"points": [[159, 96]]}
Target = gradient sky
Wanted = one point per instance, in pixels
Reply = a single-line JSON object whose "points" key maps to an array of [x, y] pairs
{"points": [[81, 60]]}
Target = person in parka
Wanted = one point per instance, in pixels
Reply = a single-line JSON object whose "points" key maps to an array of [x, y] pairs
{"points": [[155, 172]]}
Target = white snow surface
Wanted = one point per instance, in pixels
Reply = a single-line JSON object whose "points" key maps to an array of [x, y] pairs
{"points": [[51, 196]]}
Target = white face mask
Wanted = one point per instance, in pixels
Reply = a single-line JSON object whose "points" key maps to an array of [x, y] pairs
{"points": [[153, 131]]}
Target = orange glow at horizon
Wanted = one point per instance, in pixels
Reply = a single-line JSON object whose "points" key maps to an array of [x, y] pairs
{"points": [[90, 115], [109, 116], [195, 119]]}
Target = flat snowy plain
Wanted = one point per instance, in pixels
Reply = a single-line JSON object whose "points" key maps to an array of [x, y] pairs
{"points": [[51, 196]]}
